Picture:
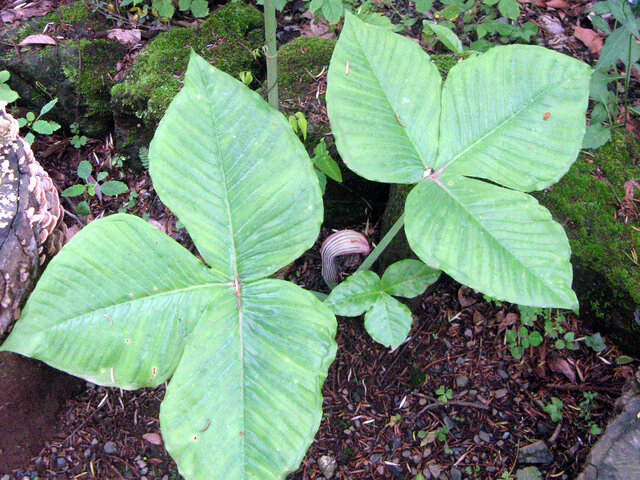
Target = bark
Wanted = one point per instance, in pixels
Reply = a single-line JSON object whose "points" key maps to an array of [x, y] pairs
{"points": [[30, 220]]}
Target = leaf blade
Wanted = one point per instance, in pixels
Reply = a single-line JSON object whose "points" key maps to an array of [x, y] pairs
{"points": [[79, 307], [498, 241], [266, 423], [388, 321], [514, 115], [239, 145], [374, 82]]}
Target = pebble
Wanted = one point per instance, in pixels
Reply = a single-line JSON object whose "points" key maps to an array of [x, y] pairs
{"points": [[468, 333], [536, 453], [94, 442], [500, 393], [455, 474], [395, 443], [61, 462], [462, 381], [422, 402], [5, 477], [110, 448], [484, 436], [327, 466], [406, 453], [375, 457], [87, 453], [503, 375], [460, 360], [435, 470], [449, 423]]}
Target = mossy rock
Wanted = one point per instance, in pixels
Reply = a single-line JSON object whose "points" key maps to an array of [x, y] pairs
{"points": [[225, 39], [77, 73], [77, 16], [604, 249]]}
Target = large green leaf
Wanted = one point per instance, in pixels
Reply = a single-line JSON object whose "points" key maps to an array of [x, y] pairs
{"points": [[246, 428], [115, 305], [125, 305], [388, 321], [386, 131], [247, 221], [514, 116], [499, 241]]}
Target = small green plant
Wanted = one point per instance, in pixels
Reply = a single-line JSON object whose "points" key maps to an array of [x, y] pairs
{"points": [[299, 124], [78, 141], [109, 188], [521, 339], [554, 409], [595, 342], [325, 165], [444, 395], [6, 93], [246, 77], [37, 124], [585, 413], [620, 47]]}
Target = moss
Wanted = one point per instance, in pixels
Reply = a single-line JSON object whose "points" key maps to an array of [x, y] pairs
{"points": [[299, 58], [602, 245], [157, 73], [446, 62]]}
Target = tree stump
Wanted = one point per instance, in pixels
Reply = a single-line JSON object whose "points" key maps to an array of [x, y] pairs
{"points": [[30, 220], [31, 230]]}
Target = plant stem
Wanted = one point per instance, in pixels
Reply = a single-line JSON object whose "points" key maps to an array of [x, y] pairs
{"points": [[386, 240], [271, 53], [627, 76]]}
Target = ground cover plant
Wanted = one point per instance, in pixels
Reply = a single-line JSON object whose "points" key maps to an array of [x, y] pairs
{"points": [[504, 123]]}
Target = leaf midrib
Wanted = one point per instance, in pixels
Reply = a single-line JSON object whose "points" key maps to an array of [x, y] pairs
{"points": [[139, 299]]}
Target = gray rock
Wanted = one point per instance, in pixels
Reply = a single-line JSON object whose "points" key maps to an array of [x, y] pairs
{"points": [[87, 453], [5, 477], [327, 466], [110, 448], [462, 381], [536, 453], [615, 456], [449, 423], [484, 436], [61, 462], [455, 474], [503, 375]]}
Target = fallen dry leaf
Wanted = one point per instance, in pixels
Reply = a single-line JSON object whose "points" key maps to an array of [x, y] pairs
{"points": [[558, 4], [37, 39], [590, 38], [317, 27], [153, 438], [560, 365], [126, 37]]}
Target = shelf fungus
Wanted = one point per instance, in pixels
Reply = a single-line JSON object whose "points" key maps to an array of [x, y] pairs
{"points": [[31, 227]]}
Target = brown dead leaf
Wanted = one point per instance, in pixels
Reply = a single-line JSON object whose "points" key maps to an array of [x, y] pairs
{"points": [[590, 38], [557, 4], [153, 438], [37, 39], [317, 27], [629, 185], [71, 231], [560, 365], [125, 37], [465, 297]]}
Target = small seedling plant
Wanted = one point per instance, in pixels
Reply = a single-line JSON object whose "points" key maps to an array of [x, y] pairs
{"points": [[109, 188], [504, 123], [246, 354], [35, 124], [7, 94], [620, 48], [554, 409], [325, 165], [77, 141]]}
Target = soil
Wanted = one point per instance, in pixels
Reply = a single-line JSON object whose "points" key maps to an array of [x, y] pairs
{"points": [[383, 418]]}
